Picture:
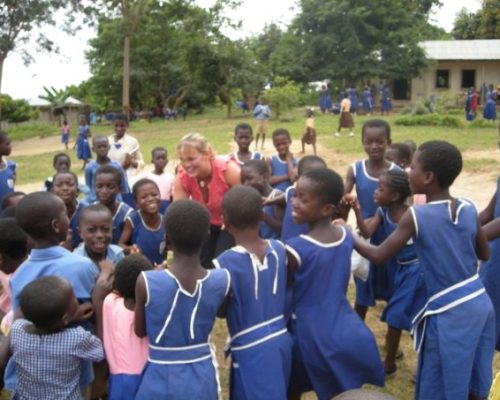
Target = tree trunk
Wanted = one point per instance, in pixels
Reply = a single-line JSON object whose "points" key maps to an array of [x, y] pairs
{"points": [[126, 76], [229, 104]]}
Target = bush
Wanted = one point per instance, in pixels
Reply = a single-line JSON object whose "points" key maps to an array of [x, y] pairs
{"points": [[482, 123], [430, 120], [27, 131]]}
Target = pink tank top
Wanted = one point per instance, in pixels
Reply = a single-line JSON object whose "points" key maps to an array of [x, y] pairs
{"points": [[216, 188], [126, 353]]}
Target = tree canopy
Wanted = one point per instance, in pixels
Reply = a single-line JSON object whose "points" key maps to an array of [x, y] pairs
{"points": [[483, 24]]}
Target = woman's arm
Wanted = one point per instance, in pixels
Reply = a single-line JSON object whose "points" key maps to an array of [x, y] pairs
{"points": [[179, 192], [140, 305], [390, 246], [232, 174]]}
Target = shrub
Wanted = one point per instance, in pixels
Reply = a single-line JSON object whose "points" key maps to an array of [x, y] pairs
{"points": [[430, 120]]}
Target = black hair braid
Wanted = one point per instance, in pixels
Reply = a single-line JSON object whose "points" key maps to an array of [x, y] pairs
{"points": [[397, 180]]}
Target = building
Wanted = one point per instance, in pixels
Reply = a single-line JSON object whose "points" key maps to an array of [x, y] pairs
{"points": [[457, 65]]}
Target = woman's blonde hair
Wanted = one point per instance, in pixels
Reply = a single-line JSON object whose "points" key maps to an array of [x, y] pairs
{"points": [[198, 141]]}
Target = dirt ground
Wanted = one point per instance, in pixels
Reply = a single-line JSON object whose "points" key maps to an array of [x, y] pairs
{"points": [[476, 186]]}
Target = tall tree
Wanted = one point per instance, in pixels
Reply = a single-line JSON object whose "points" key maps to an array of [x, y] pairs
{"points": [[483, 24], [466, 25], [18, 20]]}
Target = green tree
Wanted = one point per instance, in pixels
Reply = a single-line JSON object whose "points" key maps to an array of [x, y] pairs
{"points": [[489, 27], [14, 111], [466, 25], [282, 96]]}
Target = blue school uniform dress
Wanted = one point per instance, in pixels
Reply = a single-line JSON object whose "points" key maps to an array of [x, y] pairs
{"points": [[90, 171], [410, 293], [74, 222], [290, 229], [280, 167], [367, 101], [490, 272], [455, 331], [82, 143], [150, 241], [334, 350], [122, 212], [255, 156], [265, 231], [380, 281], [114, 253], [7, 178], [260, 345], [81, 274], [181, 363], [490, 110]]}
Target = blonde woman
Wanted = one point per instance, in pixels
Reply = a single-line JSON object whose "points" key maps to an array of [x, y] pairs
{"points": [[205, 178]]}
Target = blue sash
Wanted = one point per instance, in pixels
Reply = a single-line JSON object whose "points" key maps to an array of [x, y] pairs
{"points": [[179, 355]]}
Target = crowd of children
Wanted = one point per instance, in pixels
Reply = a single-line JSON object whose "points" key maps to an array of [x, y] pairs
{"points": [[85, 277]]}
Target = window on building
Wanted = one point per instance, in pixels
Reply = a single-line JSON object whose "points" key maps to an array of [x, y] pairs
{"points": [[443, 78], [468, 78]]}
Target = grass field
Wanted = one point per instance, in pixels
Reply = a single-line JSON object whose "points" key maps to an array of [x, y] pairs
{"points": [[479, 143]]}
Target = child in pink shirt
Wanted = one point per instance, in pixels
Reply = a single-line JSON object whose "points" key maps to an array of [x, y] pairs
{"points": [[126, 353], [164, 180]]}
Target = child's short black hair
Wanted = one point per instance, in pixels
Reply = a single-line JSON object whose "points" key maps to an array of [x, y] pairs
{"points": [[398, 182], [58, 156], [126, 273], [45, 300], [310, 162], [402, 149], [329, 184], [411, 145], [36, 211], [281, 132], [8, 196], [243, 126], [95, 138], [140, 183], [377, 123], [120, 117], [260, 166], [242, 207], [186, 225], [9, 212], [3, 135], [13, 240], [158, 149], [94, 208], [64, 173], [443, 159], [109, 169]]}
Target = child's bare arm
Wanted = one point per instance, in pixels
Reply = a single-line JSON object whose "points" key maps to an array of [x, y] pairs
{"points": [[291, 169], [482, 245], [292, 266], [274, 222], [492, 229], [101, 289], [140, 304], [276, 201], [4, 358], [366, 226], [125, 239], [389, 247], [349, 180], [487, 214]]}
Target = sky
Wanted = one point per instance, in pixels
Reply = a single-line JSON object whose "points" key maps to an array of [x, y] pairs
{"points": [[69, 66]]}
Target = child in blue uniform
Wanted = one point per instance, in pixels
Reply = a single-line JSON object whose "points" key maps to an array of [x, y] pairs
{"points": [[260, 345], [333, 351], [283, 164], [255, 173], [409, 294], [243, 136], [107, 189], [176, 309], [143, 231], [364, 174], [455, 331], [100, 145], [7, 167], [82, 142], [489, 269], [65, 186]]}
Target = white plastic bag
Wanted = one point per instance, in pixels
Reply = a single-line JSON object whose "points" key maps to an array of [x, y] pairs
{"points": [[360, 266]]}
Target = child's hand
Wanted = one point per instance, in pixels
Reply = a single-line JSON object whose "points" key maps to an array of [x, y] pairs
{"points": [[128, 161], [134, 249], [83, 312], [106, 266]]}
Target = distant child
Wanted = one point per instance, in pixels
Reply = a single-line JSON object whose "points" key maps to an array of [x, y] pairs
{"points": [[7, 167], [282, 166], [44, 218], [260, 345], [11, 199], [65, 186], [386, 102], [290, 228], [367, 101], [243, 136], [255, 173], [61, 163], [65, 134], [100, 146], [176, 309], [107, 189], [143, 230], [409, 294], [455, 332], [126, 353], [96, 231], [345, 120], [262, 113], [82, 142], [13, 252], [309, 137], [400, 154], [365, 174], [164, 180], [334, 350], [48, 354]]}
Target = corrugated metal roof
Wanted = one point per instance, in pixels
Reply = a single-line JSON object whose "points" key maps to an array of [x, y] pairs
{"points": [[462, 49]]}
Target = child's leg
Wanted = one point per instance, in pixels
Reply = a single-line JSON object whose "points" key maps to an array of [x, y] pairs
{"points": [[257, 139], [303, 142], [392, 339], [314, 146], [263, 140], [361, 310]]}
